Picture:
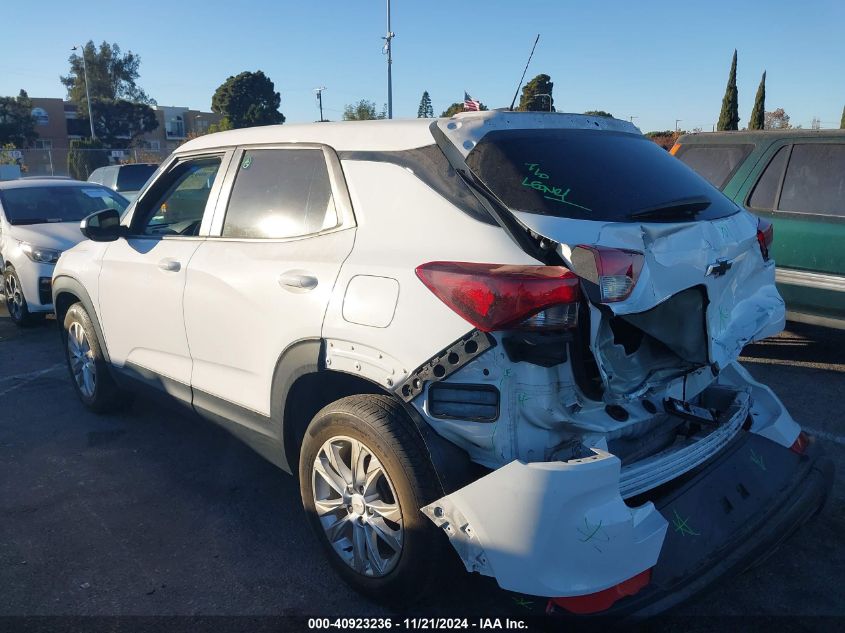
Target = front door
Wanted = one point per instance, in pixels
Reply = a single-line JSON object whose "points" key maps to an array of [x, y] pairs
{"points": [[142, 279]]}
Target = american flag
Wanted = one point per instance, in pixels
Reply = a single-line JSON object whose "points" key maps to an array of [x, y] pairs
{"points": [[470, 104]]}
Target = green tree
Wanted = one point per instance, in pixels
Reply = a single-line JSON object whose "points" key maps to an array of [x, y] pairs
{"points": [[119, 122], [842, 122], [599, 113], [363, 110], [6, 157], [729, 116], [458, 107], [537, 95], [247, 100], [17, 127], [425, 111], [84, 156], [112, 74], [222, 126], [758, 113]]}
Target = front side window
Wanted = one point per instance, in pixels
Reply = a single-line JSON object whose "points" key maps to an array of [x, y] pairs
{"points": [[280, 193], [717, 163], [764, 195], [815, 180], [61, 203], [179, 210]]}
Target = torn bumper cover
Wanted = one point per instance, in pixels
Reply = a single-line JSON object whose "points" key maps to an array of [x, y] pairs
{"points": [[583, 526], [551, 528]]}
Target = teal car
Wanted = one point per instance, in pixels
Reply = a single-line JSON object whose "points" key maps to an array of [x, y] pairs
{"points": [[794, 179]]}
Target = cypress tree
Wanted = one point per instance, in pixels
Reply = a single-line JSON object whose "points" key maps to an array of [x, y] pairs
{"points": [[758, 113], [425, 111], [729, 116]]}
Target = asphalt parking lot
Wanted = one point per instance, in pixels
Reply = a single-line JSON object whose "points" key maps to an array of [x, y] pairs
{"points": [[150, 512]]}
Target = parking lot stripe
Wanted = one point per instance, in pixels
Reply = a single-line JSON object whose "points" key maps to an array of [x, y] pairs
{"points": [[830, 437], [22, 379]]}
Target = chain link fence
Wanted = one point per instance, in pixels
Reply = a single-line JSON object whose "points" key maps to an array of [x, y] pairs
{"points": [[54, 162]]}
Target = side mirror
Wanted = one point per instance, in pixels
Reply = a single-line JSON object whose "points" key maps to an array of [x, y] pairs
{"points": [[102, 226]]}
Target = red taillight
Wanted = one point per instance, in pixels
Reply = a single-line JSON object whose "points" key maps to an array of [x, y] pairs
{"points": [[602, 600], [765, 236], [800, 444], [614, 270], [496, 296]]}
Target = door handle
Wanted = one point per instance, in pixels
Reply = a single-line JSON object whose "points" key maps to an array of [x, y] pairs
{"points": [[298, 281], [169, 265]]}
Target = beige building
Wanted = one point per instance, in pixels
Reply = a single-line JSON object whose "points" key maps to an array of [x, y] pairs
{"points": [[57, 123]]}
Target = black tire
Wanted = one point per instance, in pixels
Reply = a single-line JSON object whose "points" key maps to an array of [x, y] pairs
{"points": [[16, 301], [382, 426], [105, 396]]}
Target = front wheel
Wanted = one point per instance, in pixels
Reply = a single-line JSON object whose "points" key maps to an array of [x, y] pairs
{"points": [[89, 371], [364, 475], [16, 301]]}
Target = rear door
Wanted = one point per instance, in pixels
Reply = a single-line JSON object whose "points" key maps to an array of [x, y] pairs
{"points": [[801, 187], [263, 279], [142, 277]]}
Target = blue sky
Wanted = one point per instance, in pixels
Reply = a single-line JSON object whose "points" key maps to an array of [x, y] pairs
{"points": [[657, 61]]}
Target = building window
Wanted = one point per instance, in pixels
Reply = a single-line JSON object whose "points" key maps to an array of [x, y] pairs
{"points": [[151, 145], [41, 117], [175, 127]]}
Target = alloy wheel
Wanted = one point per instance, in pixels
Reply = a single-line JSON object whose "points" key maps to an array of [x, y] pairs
{"points": [[357, 506], [14, 297], [81, 360]]}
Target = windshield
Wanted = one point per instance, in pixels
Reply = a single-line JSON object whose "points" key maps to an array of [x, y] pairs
{"points": [[590, 175], [133, 177], [38, 205]]}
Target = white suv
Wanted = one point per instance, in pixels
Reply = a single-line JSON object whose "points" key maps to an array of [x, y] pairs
{"points": [[39, 218], [521, 328]]}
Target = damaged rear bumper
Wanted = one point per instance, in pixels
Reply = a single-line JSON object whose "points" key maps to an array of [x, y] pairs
{"points": [[563, 529], [727, 516]]}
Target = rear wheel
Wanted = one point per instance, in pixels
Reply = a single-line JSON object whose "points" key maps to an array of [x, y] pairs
{"points": [[364, 475], [16, 301], [89, 371]]}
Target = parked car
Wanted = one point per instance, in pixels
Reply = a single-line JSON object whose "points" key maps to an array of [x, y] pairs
{"points": [[39, 218], [795, 179], [513, 332], [127, 180]]}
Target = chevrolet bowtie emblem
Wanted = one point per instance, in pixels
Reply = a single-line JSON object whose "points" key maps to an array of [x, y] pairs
{"points": [[719, 268]]}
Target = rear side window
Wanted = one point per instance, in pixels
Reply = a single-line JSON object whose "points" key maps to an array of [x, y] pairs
{"points": [[815, 180], [133, 177], [280, 193], [764, 195], [717, 163], [591, 175]]}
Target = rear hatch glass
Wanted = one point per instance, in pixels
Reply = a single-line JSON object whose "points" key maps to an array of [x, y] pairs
{"points": [[590, 175], [717, 163]]}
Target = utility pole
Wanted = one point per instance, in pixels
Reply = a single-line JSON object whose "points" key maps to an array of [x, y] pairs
{"points": [[676, 123], [319, 92], [87, 91], [388, 50]]}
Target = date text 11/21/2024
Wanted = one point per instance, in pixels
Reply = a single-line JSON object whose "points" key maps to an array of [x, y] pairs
{"points": [[419, 623]]}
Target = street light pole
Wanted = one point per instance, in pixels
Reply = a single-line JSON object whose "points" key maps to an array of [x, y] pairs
{"points": [[676, 123], [388, 50], [87, 91], [549, 97], [319, 92]]}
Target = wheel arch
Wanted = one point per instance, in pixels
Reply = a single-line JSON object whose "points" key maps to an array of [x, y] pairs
{"points": [[66, 292], [302, 385]]}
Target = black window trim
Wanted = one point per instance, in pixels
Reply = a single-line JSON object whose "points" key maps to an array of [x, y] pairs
{"points": [[167, 167], [685, 147], [337, 179], [776, 212]]}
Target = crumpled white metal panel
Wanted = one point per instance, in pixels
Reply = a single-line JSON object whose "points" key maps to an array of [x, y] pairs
{"points": [[551, 528]]}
